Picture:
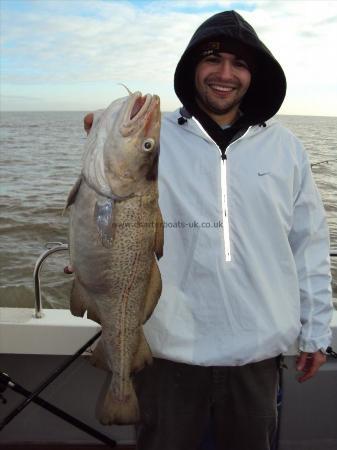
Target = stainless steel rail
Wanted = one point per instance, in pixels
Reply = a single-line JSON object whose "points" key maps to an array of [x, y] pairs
{"points": [[57, 247]]}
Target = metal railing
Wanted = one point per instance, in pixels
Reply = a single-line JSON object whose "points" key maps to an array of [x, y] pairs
{"points": [[57, 247]]}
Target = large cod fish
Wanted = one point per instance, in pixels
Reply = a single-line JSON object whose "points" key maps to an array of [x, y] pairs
{"points": [[115, 236]]}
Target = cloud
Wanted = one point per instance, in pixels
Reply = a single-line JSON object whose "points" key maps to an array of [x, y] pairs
{"points": [[328, 21], [115, 41], [140, 42], [309, 34], [19, 97], [291, 31]]}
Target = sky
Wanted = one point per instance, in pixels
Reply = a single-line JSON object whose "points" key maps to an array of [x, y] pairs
{"points": [[73, 54]]}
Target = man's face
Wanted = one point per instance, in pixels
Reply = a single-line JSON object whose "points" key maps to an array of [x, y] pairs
{"points": [[221, 81]]}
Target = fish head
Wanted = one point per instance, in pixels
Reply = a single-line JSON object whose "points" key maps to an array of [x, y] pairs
{"points": [[132, 146]]}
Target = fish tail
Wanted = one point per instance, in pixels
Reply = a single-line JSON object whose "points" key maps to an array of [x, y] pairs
{"points": [[120, 410]]}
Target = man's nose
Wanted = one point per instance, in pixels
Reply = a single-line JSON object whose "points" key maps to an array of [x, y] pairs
{"points": [[226, 69]]}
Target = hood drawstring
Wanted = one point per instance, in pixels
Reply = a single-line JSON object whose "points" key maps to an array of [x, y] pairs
{"points": [[185, 115]]}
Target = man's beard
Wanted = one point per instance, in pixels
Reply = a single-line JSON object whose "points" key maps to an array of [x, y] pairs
{"points": [[208, 105]]}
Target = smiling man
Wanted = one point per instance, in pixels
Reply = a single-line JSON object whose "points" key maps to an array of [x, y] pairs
{"points": [[235, 295], [246, 269], [221, 81]]}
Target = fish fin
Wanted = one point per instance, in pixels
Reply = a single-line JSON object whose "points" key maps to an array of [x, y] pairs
{"points": [[98, 358], [143, 355], [159, 237], [80, 302], [73, 193], [105, 221], [78, 299], [92, 314], [120, 411], [153, 291]]}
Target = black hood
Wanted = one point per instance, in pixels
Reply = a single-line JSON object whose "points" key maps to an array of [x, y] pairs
{"points": [[268, 85]]}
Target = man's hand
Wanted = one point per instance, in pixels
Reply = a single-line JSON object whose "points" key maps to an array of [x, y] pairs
{"points": [[88, 120], [309, 363]]}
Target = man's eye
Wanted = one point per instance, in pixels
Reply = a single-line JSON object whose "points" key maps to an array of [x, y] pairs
{"points": [[212, 59], [241, 63]]}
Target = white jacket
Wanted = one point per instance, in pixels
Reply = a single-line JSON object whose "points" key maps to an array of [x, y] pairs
{"points": [[246, 256]]}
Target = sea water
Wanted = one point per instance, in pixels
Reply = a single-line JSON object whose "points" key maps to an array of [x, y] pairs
{"points": [[40, 161]]}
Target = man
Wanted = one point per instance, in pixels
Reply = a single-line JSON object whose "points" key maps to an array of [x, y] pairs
{"points": [[246, 267]]}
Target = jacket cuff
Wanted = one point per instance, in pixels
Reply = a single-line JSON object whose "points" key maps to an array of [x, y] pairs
{"points": [[315, 344]]}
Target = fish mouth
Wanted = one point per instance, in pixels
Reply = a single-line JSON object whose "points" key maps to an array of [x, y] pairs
{"points": [[139, 106], [141, 112]]}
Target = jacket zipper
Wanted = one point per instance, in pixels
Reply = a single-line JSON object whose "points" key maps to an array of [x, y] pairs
{"points": [[225, 195], [224, 191], [224, 202]]}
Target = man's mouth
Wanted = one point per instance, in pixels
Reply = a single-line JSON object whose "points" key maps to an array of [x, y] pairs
{"points": [[220, 88]]}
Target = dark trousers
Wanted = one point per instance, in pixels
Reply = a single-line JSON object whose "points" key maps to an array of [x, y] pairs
{"points": [[178, 403]]}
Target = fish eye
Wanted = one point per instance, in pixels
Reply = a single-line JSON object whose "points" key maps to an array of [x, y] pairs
{"points": [[148, 145]]}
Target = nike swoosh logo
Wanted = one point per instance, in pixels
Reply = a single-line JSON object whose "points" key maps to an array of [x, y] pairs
{"points": [[260, 174]]}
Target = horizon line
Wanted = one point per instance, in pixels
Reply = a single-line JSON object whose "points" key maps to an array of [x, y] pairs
{"points": [[87, 110]]}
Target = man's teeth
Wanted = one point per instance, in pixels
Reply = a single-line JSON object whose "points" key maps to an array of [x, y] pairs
{"points": [[221, 88]]}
